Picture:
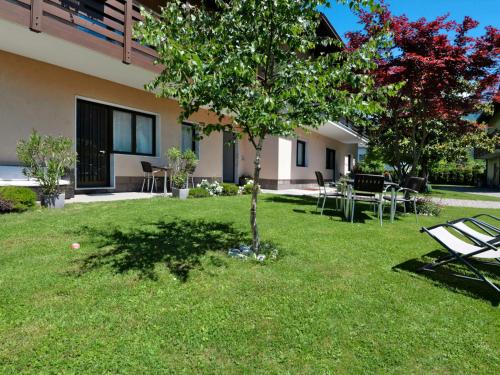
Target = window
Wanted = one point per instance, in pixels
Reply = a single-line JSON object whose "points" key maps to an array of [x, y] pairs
{"points": [[301, 154], [330, 158], [189, 138], [122, 131], [349, 162], [133, 133]]}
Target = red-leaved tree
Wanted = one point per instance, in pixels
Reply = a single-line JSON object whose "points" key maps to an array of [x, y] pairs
{"points": [[447, 75]]}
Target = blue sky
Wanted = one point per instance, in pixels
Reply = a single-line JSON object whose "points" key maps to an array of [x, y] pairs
{"points": [[487, 12]]}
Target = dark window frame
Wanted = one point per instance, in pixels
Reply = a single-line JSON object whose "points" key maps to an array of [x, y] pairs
{"points": [[133, 129], [349, 162], [303, 164], [194, 136], [330, 158]]}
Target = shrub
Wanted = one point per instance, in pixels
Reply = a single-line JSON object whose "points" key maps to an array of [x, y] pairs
{"points": [[425, 206], [16, 199], [247, 188], [47, 159], [198, 192], [229, 189]]}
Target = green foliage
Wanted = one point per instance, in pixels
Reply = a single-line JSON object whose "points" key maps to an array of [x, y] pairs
{"points": [[190, 161], [229, 189], [47, 159], [16, 199], [198, 192], [464, 173], [179, 180], [268, 89], [182, 164]]}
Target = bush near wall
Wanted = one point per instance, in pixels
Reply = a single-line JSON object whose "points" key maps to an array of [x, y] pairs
{"points": [[16, 199], [229, 189], [198, 192]]}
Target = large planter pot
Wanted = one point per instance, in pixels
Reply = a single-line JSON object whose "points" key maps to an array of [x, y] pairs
{"points": [[180, 193], [54, 201]]}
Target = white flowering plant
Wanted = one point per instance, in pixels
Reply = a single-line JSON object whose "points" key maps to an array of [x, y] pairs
{"points": [[248, 187], [213, 188]]}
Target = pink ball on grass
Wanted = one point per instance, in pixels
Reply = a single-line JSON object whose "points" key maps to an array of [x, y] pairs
{"points": [[75, 246]]}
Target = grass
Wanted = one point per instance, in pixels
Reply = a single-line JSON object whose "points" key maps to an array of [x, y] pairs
{"points": [[453, 192], [152, 291]]}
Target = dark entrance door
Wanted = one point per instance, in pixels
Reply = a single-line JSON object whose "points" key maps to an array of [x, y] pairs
{"points": [[228, 157], [92, 144]]}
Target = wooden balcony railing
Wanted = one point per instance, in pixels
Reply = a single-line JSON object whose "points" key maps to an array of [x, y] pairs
{"points": [[102, 25]]}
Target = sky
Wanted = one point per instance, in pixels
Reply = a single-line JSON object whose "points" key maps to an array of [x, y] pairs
{"points": [[487, 12]]}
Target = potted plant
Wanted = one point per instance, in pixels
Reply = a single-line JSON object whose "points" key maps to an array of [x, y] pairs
{"points": [[182, 164], [47, 159], [179, 186]]}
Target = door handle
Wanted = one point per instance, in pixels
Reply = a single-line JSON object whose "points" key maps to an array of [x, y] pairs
{"points": [[102, 151]]}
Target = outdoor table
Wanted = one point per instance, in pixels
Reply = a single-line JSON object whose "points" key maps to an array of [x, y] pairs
{"points": [[388, 184], [165, 170]]}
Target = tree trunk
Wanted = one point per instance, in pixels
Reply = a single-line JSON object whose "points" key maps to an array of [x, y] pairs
{"points": [[255, 192]]}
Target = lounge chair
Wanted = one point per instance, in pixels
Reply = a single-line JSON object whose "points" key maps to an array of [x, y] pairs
{"points": [[463, 252], [478, 229]]}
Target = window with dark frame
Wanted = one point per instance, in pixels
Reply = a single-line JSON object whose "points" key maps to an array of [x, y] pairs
{"points": [[189, 139], [301, 153], [134, 133], [349, 162], [330, 158]]}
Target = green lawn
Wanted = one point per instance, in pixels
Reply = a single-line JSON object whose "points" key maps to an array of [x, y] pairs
{"points": [[152, 291], [447, 191]]}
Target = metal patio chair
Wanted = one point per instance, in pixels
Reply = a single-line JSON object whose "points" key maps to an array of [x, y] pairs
{"points": [[324, 194], [409, 191], [370, 189], [462, 252], [149, 175]]}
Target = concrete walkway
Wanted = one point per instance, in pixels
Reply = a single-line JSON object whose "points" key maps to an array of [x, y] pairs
{"points": [[467, 203], [110, 197]]}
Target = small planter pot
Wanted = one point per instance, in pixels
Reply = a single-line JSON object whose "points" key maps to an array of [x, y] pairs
{"points": [[54, 201], [180, 193]]}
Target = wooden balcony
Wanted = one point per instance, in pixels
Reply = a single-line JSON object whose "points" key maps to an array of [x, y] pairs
{"points": [[101, 25]]}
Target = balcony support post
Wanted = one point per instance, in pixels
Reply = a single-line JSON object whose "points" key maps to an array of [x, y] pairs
{"points": [[127, 33], [36, 15]]}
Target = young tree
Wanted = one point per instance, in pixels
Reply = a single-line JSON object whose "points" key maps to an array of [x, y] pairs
{"points": [[253, 63], [447, 75]]}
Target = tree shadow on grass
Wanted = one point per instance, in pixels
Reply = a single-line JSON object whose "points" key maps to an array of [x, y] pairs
{"points": [[444, 276], [292, 199], [330, 211], [179, 245]]}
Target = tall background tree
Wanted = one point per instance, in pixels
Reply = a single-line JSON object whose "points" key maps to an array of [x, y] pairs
{"points": [[255, 63], [447, 74]]}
